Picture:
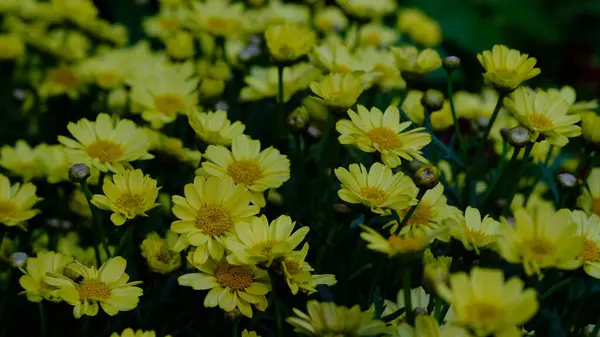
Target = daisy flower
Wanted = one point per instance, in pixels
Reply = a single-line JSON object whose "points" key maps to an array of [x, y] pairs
{"points": [[474, 232], [505, 68], [297, 273], [589, 229], [214, 127], [21, 160], [33, 282], [16, 202], [589, 200]]}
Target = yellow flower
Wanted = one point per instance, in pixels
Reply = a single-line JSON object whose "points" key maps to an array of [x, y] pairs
{"points": [[59, 81], [106, 287], [160, 254], [337, 58], [11, 46], [420, 27], [476, 106], [486, 304], [278, 12], [33, 282], [589, 201], [54, 161], [569, 94], [368, 8], [287, 42], [231, 286], [21, 160], [217, 17], [263, 82], [419, 301], [376, 131], [435, 270], [328, 319], [413, 107], [376, 34], [411, 61], [330, 19], [506, 69], [164, 23], [590, 127], [339, 90], [208, 213], [16, 202], [76, 11], [261, 242], [543, 115], [161, 97], [408, 244], [127, 195], [247, 333], [248, 166], [377, 188], [427, 326], [129, 332], [589, 229], [106, 145], [180, 45], [541, 239], [297, 273], [474, 232], [214, 127]]}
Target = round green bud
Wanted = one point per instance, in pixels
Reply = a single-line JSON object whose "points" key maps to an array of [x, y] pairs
{"points": [[451, 63], [433, 100], [79, 173], [427, 177]]}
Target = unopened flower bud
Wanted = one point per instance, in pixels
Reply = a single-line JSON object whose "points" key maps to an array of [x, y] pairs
{"points": [[518, 136], [299, 118], [433, 100], [341, 208], [427, 177], [18, 259], [316, 108], [79, 173], [451, 63], [567, 180]]}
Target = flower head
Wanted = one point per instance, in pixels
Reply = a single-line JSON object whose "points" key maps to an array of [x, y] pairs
{"points": [[589, 200], [412, 61], [16, 202], [129, 332], [262, 242], [33, 282], [217, 17], [589, 228], [288, 42], [339, 90], [395, 245], [474, 232], [330, 19], [377, 188], [106, 287], [419, 302], [376, 131], [128, 195], [375, 34], [420, 27], [368, 8], [214, 127], [160, 253], [248, 166], [231, 286], [328, 319], [263, 82], [106, 145], [544, 115], [435, 269], [590, 127], [506, 69], [297, 273], [208, 213], [486, 304], [21, 160]]}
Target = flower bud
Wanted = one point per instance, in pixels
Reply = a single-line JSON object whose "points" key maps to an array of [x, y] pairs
{"points": [[518, 136], [451, 63], [299, 118], [427, 177], [341, 208], [567, 180], [433, 100], [79, 173], [18, 259], [316, 108], [314, 131]]}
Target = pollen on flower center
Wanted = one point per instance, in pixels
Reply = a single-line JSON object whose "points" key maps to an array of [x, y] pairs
{"points": [[539, 120], [374, 194], [539, 248], [384, 138], [164, 256], [405, 243], [169, 104], [7, 208], [421, 216], [244, 172], [590, 252], [93, 289], [476, 236], [292, 267], [483, 313], [234, 277], [596, 206], [129, 201], [105, 150], [213, 220], [264, 248]]}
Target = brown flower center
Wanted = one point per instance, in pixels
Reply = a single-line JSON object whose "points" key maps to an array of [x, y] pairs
{"points": [[374, 195], [264, 248], [89, 289], [384, 138], [213, 220], [129, 202], [105, 150], [7, 209], [292, 267], [539, 248], [421, 216], [65, 77], [168, 23], [217, 24], [169, 104], [244, 172], [405, 244], [234, 277], [590, 252]]}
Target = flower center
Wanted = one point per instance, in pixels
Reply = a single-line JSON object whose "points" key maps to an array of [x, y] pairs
{"points": [[108, 79], [105, 150], [264, 248], [164, 256], [168, 23], [129, 202], [596, 206], [244, 172], [342, 68], [169, 104], [374, 194], [292, 267], [234, 277], [476, 236], [213, 220], [373, 39], [217, 24], [538, 120], [64, 77], [483, 314], [7, 209], [90, 289], [539, 248], [590, 252], [405, 244], [421, 216], [384, 138]]}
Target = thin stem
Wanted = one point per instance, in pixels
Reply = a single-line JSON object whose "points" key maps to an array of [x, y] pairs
{"points": [[413, 208], [437, 309], [406, 278], [280, 103], [461, 144], [517, 177], [234, 331], [276, 303], [375, 279], [503, 170], [557, 287], [42, 319], [97, 225], [493, 119], [428, 126]]}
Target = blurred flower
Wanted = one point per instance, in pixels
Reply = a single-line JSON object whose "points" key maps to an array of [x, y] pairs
{"points": [[11, 46], [59, 81], [21, 160], [589, 200], [214, 127], [420, 27], [568, 94], [160, 253], [287, 42], [278, 12], [297, 273], [247, 333], [78, 204], [180, 45], [590, 127], [16, 202], [217, 17], [129, 332], [435, 270], [338, 90], [368, 9], [411, 61], [589, 229], [506, 69], [476, 106], [330, 19], [413, 107], [337, 58], [376, 34], [33, 282], [419, 302], [406, 245], [474, 232], [164, 23], [384, 72], [263, 82], [427, 326]]}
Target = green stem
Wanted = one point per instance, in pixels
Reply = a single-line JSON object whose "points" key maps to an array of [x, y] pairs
{"points": [[276, 303], [96, 221], [437, 309], [556, 287], [517, 177], [406, 278], [502, 172], [493, 119], [235, 332], [413, 208], [42, 319], [461, 144], [428, 126], [595, 332]]}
